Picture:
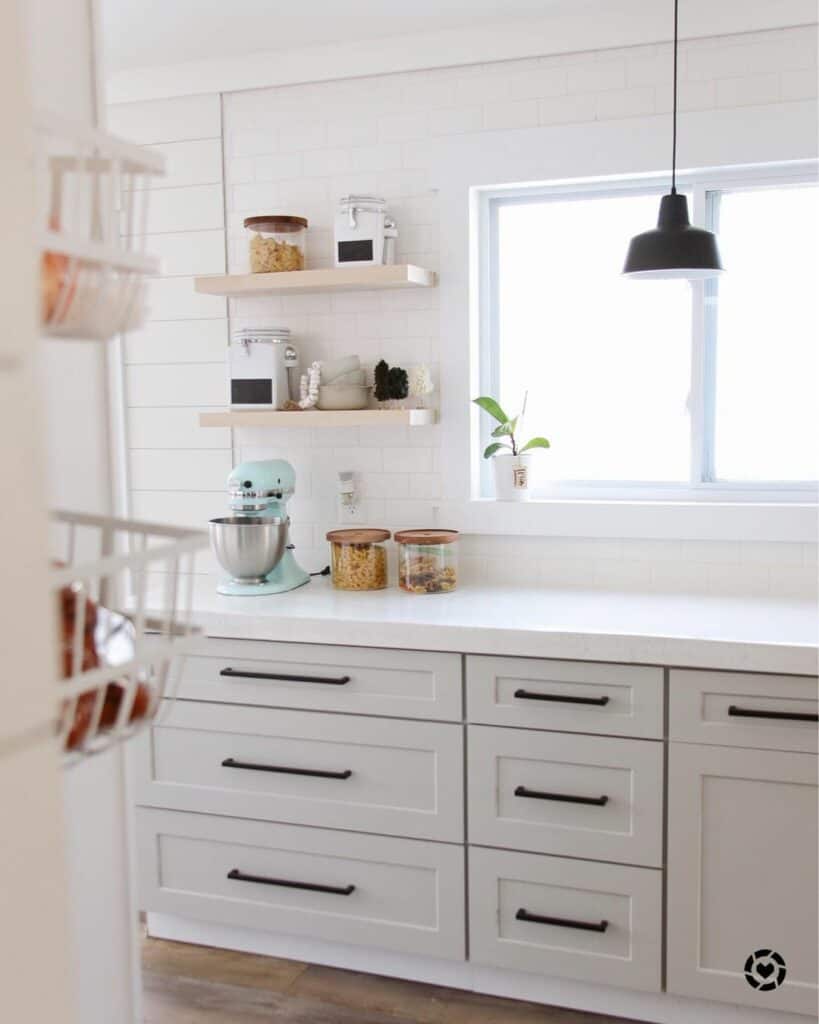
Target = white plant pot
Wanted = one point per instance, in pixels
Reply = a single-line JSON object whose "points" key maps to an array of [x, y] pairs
{"points": [[512, 476]]}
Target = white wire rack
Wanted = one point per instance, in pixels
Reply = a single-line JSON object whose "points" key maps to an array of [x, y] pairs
{"points": [[93, 200], [124, 591]]}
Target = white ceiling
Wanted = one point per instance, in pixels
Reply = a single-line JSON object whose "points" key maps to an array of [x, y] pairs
{"points": [[136, 34]]}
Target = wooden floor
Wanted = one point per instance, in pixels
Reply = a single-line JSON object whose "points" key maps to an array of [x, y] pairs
{"points": [[198, 985]]}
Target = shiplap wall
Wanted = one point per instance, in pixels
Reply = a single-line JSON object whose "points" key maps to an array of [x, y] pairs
{"points": [[296, 149]]}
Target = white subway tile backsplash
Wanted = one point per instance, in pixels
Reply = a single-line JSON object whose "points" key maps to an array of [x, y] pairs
{"points": [[799, 84], [455, 120], [597, 77], [567, 109], [510, 114], [749, 90], [634, 102]]}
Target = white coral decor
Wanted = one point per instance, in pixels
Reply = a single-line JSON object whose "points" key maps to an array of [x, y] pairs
{"points": [[309, 386], [420, 383]]}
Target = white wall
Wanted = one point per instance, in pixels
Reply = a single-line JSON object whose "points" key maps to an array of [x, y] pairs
{"points": [[297, 149]]}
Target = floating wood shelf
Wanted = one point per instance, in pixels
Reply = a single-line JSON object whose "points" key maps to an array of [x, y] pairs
{"points": [[317, 418], [339, 279]]}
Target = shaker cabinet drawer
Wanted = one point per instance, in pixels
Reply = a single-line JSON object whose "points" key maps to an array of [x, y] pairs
{"points": [[736, 709], [578, 796], [571, 696], [393, 894], [566, 918], [366, 681], [337, 771]]}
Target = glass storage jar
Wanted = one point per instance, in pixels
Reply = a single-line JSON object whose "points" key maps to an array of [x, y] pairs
{"points": [[358, 559], [427, 560], [277, 243]]}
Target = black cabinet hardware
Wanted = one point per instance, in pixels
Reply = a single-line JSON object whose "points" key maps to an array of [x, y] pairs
{"points": [[337, 890], [238, 674], [565, 798], [315, 773], [558, 698], [562, 922], [782, 716]]}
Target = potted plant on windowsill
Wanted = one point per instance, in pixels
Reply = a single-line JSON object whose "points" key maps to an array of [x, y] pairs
{"points": [[510, 461]]}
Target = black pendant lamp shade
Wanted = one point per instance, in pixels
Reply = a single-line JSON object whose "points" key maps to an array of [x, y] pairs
{"points": [[674, 248]]}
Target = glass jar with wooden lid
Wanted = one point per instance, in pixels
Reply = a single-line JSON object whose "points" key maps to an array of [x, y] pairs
{"points": [[277, 243], [358, 558], [427, 560]]}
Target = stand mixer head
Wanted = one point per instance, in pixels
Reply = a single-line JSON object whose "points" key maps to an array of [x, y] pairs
{"points": [[253, 544]]}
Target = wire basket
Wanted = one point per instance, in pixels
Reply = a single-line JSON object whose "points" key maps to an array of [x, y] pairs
{"points": [[92, 199], [124, 593]]}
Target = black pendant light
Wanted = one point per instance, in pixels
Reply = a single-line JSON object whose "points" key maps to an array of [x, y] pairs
{"points": [[674, 248]]}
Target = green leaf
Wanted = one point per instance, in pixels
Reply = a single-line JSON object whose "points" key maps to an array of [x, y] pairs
{"points": [[505, 429], [492, 448], [491, 406], [536, 442]]}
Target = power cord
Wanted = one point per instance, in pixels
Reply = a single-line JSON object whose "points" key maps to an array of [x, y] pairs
{"points": [[324, 572]]}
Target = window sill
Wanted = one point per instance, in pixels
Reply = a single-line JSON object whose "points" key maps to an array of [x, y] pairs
{"points": [[659, 520]]}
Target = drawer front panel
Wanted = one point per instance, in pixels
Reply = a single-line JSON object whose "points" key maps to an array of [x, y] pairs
{"points": [[336, 886], [735, 709], [337, 771], [368, 681], [621, 700], [577, 796], [572, 919]]}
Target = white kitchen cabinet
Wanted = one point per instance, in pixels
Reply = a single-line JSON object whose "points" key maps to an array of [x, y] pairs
{"points": [[742, 875], [397, 894], [739, 709], [336, 771], [578, 796], [570, 696], [356, 680], [571, 918]]}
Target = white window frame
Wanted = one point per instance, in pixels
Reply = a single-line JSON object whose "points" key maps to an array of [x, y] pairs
{"points": [[700, 488]]}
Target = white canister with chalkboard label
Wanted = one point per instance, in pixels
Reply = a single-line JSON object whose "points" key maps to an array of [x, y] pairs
{"points": [[360, 238], [261, 361]]}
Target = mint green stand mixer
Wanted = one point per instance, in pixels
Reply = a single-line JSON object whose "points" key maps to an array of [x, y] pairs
{"points": [[253, 544]]}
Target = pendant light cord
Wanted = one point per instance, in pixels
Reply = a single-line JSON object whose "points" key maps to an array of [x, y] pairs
{"points": [[674, 120]]}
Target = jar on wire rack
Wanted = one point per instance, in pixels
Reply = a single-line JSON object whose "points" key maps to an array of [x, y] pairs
{"points": [[277, 243], [427, 561], [358, 559]]}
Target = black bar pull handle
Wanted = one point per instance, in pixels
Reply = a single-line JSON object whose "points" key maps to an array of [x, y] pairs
{"points": [[562, 922], [558, 698], [782, 716], [565, 798], [337, 890], [315, 773], [236, 673]]}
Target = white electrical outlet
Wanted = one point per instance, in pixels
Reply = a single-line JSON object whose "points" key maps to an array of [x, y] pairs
{"points": [[348, 507]]}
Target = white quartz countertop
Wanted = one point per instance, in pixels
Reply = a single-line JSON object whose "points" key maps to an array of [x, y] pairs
{"points": [[699, 631]]}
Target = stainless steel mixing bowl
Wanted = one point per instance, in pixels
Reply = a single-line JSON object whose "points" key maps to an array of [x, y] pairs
{"points": [[248, 547]]}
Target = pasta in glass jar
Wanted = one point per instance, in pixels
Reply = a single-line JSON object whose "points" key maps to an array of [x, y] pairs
{"points": [[358, 559]]}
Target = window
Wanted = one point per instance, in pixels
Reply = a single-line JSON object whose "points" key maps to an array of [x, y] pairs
{"points": [[651, 388]]}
